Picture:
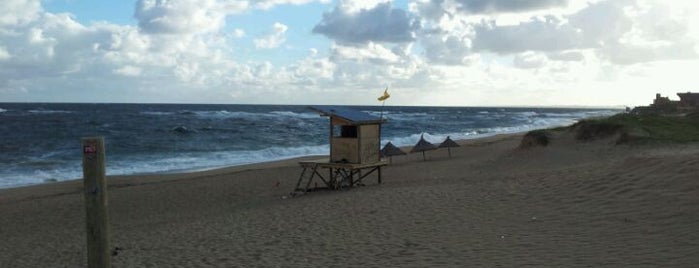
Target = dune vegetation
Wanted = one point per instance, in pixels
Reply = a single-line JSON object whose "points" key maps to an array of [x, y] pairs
{"points": [[626, 129]]}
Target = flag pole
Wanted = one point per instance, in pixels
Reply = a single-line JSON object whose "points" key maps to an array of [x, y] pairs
{"points": [[382, 107]]}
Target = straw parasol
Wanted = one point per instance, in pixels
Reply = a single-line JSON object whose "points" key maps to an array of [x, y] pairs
{"points": [[422, 146], [390, 150], [449, 143]]}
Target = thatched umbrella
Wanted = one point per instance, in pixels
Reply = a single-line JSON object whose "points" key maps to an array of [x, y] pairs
{"points": [[448, 143], [389, 150], [422, 146]]}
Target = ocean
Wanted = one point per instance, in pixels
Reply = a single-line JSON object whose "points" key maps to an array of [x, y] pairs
{"points": [[40, 142]]}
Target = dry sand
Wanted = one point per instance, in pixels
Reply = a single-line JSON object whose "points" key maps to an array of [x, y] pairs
{"points": [[569, 204]]}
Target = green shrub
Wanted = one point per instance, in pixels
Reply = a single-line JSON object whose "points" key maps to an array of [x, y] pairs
{"points": [[641, 128], [535, 138]]}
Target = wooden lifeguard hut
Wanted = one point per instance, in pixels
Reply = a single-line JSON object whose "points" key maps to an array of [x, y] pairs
{"points": [[355, 144]]}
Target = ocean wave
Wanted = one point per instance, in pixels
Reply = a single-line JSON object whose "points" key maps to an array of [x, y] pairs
{"points": [[159, 163], [2, 110], [582, 114], [297, 115], [204, 161], [156, 113], [15, 178], [42, 111], [524, 114], [183, 130], [223, 114], [399, 116], [473, 133], [437, 138]]}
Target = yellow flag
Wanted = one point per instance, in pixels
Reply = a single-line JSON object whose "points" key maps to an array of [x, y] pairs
{"points": [[385, 95]]}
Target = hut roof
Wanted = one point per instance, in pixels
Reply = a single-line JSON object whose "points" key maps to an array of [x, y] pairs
{"points": [[448, 143], [391, 150], [423, 145], [347, 114]]}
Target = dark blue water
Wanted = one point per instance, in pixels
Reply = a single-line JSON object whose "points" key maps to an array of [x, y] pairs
{"points": [[41, 142]]}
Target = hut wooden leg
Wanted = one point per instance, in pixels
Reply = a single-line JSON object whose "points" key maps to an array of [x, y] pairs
{"points": [[313, 173], [298, 183], [352, 178], [423, 156]]}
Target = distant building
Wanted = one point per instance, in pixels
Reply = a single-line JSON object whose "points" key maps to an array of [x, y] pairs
{"points": [[660, 101], [688, 102]]}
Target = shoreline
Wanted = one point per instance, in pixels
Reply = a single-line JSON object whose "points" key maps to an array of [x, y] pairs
{"points": [[569, 204], [225, 169]]}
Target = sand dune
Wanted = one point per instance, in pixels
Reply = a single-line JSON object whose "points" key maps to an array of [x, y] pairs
{"points": [[569, 204]]}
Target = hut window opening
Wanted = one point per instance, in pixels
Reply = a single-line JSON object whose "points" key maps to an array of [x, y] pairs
{"points": [[344, 131]]}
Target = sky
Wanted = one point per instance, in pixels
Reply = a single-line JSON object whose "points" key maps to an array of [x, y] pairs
{"points": [[346, 52]]}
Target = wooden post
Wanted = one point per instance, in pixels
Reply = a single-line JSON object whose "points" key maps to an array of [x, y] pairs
{"points": [[97, 218]]}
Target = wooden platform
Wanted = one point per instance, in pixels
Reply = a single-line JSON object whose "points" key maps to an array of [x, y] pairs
{"points": [[339, 175]]}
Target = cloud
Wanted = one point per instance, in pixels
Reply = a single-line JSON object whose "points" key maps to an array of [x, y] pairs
{"points": [[4, 55], [382, 23], [128, 70], [621, 53], [602, 21], [566, 56], [184, 16], [238, 33], [197, 16], [274, 39], [529, 60], [495, 6], [447, 48], [538, 34], [623, 32], [14, 12], [184, 52], [436, 9], [267, 4], [371, 52]]}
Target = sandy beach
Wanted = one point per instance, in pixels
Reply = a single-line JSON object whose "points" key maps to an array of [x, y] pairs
{"points": [[570, 204]]}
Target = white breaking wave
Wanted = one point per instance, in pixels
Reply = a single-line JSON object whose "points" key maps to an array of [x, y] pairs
{"points": [[554, 120], [41, 111], [223, 114], [156, 113], [297, 115], [176, 162], [2, 110], [204, 161]]}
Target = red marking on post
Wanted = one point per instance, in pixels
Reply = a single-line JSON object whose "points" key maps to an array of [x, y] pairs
{"points": [[89, 149]]}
